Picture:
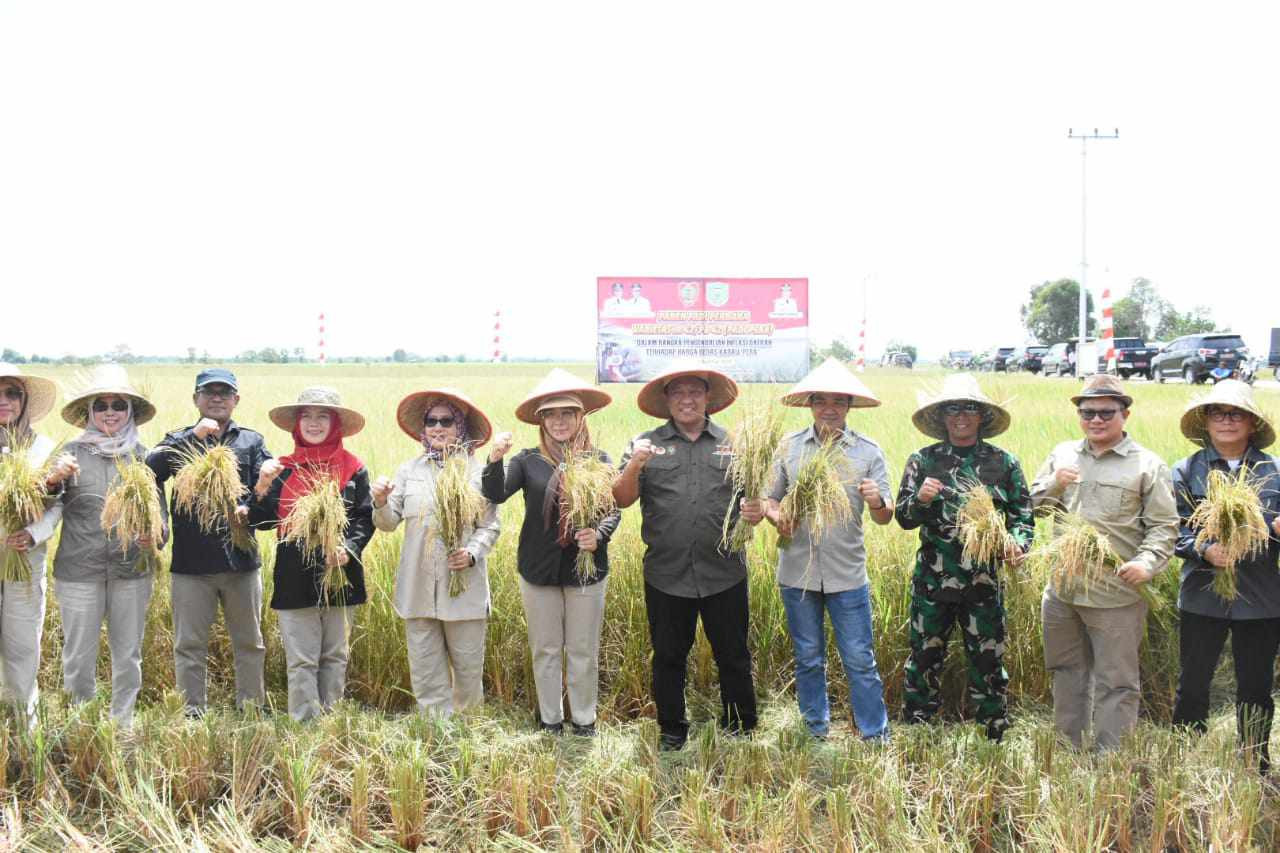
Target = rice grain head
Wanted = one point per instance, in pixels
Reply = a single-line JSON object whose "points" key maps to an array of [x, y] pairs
{"points": [[131, 511], [818, 497], [22, 501], [981, 526], [753, 449], [458, 507], [586, 499], [1230, 515], [317, 525], [207, 487], [1079, 555]]}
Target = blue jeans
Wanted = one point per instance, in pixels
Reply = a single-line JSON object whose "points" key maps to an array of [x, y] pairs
{"points": [[851, 620]]}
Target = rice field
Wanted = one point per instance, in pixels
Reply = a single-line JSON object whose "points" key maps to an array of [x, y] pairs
{"points": [[376, 774]]}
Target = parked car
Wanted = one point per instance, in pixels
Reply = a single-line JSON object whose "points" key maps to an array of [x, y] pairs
{"points": [[982, 361], [1026, 358], [958, 359], [1057, 360], [1000, 358], [1133, 358], [896, 358], [1196, 357]]}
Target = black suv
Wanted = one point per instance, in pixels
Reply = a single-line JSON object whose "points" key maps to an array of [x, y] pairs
{"points": [[1133, 358], [1026, 358], [1000, 359], [1193, 356]]}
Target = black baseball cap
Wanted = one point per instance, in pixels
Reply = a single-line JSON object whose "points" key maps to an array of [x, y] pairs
{"points": [[214, 375]]}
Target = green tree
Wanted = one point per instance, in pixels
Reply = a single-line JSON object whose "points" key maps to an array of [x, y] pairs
{"points": [[12, 356], [1176, 323], [896, 345], [399, 356], [1052, 314]]}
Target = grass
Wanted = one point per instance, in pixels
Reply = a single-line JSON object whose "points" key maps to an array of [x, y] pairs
{"points": [[491, 781]]}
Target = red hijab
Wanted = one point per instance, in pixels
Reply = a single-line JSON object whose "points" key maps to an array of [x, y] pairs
{"points": [[309, 461]]}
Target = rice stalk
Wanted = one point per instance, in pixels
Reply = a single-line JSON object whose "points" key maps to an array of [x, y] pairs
{"points": [[23, 492], [753, 451], [458, 507], [131, 511], [1230, 516], [586, 499], [981, 526], [818, 497], [207, 488], [317, 525], [1080, 556]]}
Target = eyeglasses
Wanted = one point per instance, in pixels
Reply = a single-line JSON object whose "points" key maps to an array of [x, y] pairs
{"points": [[12, 393], [1235, 416], [1103, 415], [100, 406], [445, 422], [218, 393], [962, 409]]}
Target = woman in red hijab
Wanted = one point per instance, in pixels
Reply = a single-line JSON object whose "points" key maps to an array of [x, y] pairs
{"points": [[315, 624]]}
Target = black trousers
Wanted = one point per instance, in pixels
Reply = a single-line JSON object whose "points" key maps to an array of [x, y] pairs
{"points": [[673, 622], [1253, 648]]}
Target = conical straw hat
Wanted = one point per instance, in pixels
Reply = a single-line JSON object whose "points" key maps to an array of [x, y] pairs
{"points": [[101, 380], [413, 408], [318, 397], [959, 388], [721, 390], [560, 383], [1228, 392], [41, 392], [831, 377]]}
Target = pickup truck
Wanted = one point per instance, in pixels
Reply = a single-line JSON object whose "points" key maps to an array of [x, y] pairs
{"points": [[1133, 358]]}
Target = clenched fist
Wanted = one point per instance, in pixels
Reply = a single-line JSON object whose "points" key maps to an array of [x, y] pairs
{"points": [[381, 490]]}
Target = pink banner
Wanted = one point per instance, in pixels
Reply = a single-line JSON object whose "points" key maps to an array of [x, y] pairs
{"points": [[754, 329]]}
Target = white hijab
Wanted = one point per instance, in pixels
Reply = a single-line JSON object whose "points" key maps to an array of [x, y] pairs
{"points": [[124, 441]]}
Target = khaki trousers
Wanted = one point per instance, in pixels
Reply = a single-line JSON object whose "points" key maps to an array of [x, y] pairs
{"points": [[1092, 653], [122, 604], [195, 606], [446, 663], [22, 606], [316, 652], [564, 637]]}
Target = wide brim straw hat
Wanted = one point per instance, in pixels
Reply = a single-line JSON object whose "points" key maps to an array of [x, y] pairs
{"points": [[413, 409], [959, 388], [831, 377], [1228, 392], [318, 397], [101, 380], [1103, 385], [721, 390], [562, 383], [41, 392]]}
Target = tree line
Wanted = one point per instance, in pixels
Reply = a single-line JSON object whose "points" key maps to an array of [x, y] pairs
{"points": [[1052, 313]]}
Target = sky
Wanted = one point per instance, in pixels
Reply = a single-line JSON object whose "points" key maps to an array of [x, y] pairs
{"points": [[214, 175]]}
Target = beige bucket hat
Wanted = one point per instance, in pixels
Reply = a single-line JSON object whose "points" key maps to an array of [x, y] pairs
{"points": [[560, 383], [831, 377], [1228, 392], [959, 388], [413, 409], [320, 397], [41, 392], [721, 390], [105, 379]]}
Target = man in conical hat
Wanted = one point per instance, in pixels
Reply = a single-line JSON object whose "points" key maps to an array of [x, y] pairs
{"points": [[677, 472], [947, 586], [1233, 433], [830, 575]]}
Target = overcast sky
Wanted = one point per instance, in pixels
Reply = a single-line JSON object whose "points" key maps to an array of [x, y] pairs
{"points": [[177, 174]]}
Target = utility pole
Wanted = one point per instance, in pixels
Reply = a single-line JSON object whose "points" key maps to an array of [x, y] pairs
{"points": [[1084, 138]]}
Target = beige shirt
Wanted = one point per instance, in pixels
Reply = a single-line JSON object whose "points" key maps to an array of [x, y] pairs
{"points": [[422, 580], [1126, 492]]}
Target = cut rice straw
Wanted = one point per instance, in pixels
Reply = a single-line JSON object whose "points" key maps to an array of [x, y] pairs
{"points": [[317, 525], [586, 499], [207, 488], [981, 526], [1081, 557], [458, 507], [1230, 516], [753, 448], [818, 498], [23, 494], [131, 511]]}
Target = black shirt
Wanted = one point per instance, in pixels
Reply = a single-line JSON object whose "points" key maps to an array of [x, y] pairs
{"points": [[194, 551], [541, 560]]}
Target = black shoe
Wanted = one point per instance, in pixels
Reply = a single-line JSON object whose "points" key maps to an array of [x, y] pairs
{"points": [[589, 730], [671, 742], [551, 728]]}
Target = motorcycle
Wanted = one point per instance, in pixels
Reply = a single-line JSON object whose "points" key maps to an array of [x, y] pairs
{"points": [[1245, 371]]}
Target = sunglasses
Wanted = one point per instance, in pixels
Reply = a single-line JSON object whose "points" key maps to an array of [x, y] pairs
{"points": [[1103, 415], [12, 393], [1235, 416], [962, 409], [445, 422], [101, 406]]}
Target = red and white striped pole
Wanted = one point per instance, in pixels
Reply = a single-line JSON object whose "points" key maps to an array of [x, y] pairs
{"points": [[497, 336], [321, 344], [1107, 335], [861, 362]]}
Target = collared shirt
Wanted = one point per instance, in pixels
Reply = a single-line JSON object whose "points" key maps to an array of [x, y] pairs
{"points": [[1257, 580], [1126, 492], [194, 551], [683, 500], [838, 561]]}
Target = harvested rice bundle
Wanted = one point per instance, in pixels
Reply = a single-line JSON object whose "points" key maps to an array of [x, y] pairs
{"points": [[1230, 515], [753, 446], [586, 499], [317, 525], [207, 487], [22, 498], [981, 526], [131, 510], [458, 508], [1080, 556], [818, 496]]}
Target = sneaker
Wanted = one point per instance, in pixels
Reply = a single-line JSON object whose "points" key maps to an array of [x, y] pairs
{"points": [[671, 742], [550, 728], [589, 730]]}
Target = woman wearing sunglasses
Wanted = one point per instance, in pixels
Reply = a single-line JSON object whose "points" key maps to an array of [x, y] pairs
{"points": [[947, 587], [565, 614], [444, 633], [100, 578]]}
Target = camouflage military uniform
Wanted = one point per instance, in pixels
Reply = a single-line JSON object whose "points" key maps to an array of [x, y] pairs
{"points": [[947, 587]]}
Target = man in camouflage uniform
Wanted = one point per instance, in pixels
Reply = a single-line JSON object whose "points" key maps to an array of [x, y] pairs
{"points": [[946, 586]]}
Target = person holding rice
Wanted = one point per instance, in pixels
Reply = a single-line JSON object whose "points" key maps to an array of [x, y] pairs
{"points": [[677, 472], [1233, 432], [318, 577], [24, 400], [1092, 632], [101, 578], [950, 584], [444, 633], [212, 567], [563, 565], [829, 573]]}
